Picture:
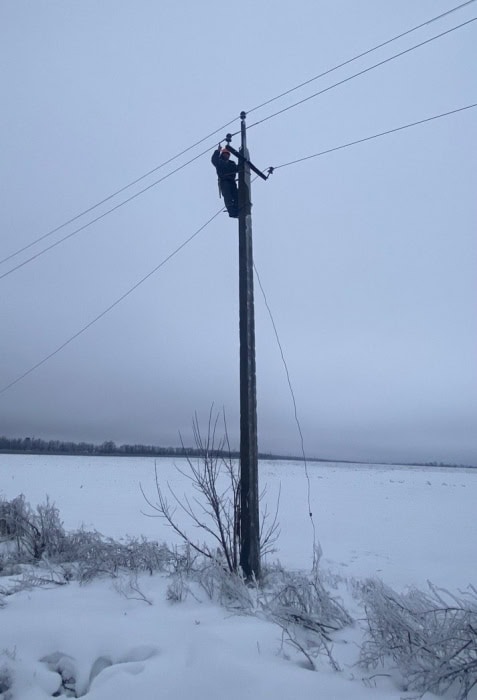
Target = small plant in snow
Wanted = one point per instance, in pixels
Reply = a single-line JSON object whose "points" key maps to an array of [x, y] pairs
{"points": [[177, 590], [128, 586]]}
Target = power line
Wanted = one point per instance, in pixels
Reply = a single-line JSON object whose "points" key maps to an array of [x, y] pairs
{"points": [[110, 307], [361, 55], [277, 167], [114, 194], [361, 72], [375, 136], [135, 286], [222, 128], [101, 216]]}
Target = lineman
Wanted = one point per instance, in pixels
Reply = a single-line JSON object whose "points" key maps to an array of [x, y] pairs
{"points": [[226, 172]]}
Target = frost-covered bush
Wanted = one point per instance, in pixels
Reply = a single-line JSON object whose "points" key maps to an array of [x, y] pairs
{"points": [[36, 532], [430, 637], [12, 517], [306, 612], [302, 595], [297, 602], [37, 535], [188, 570], [95, 555], [228, 588]]}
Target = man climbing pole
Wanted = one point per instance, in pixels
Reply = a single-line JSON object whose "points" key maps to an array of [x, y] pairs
{"points": [[226, 172]]}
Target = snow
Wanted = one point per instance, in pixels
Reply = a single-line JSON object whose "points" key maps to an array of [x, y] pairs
{"points": [[406, 525]]}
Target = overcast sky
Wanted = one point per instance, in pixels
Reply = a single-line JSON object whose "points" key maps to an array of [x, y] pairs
{"points": [[367, 255]]}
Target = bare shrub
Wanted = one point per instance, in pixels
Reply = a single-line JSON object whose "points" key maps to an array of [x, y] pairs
{"points": [[128, 586], [184, 563], [215, 511], [176, 591], [431, 637]]}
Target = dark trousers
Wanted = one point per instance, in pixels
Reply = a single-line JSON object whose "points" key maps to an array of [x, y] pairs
{"points": [[230, 195]]}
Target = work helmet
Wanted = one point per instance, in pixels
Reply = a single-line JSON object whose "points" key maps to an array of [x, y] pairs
{"points": [[225, 153]]}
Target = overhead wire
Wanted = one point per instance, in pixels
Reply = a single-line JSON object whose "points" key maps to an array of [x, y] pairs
{"points": [[135, 286], [110, 307], [187, 241], [101, 216], [356, 75], [361, 55], [122, 189], [213, 133], [375, 136]]}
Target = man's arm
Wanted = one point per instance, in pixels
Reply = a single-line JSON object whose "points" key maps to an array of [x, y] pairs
{"points": [[215, 157]]}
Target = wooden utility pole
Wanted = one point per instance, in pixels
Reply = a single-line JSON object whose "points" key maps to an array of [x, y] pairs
{"points": [[249, 498]]}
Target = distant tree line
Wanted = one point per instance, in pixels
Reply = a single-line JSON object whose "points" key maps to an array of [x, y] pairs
{"points": [[61, 447], [40, 446]]}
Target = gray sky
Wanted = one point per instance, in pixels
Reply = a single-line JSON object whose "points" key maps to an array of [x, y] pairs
{"points": [[367, 255]]}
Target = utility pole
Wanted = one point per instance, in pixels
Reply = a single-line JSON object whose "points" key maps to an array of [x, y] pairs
{"points": [[249, 498]]}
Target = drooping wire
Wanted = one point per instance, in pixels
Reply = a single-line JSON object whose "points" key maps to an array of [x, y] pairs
{"points": [[360, 55], [375, 136], [111, 306], [300, 432], [359, 73], [101, 216]]}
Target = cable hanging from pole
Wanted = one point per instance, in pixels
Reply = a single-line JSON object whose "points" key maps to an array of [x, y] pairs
{"points": [[295, 409]]}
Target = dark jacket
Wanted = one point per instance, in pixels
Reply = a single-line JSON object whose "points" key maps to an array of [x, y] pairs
{"points": [[226, 169]]}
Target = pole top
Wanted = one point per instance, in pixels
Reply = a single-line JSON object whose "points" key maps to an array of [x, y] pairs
{"points": [[243, 115]]}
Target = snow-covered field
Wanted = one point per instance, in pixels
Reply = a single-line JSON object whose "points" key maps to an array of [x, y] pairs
{"points": [[406, 525]]}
